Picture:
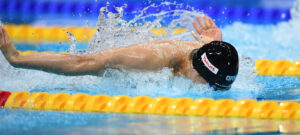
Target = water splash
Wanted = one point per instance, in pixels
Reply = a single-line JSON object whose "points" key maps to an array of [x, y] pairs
{"points": [[160, 83], [114, 32], [273, 42], [73, 41], [296, 10]]}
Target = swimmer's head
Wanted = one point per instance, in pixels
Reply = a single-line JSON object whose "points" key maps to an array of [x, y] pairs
{"points": [[218, 63]]}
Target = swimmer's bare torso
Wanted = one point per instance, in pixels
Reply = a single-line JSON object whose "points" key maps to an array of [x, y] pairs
{"points": [[153, 55]]}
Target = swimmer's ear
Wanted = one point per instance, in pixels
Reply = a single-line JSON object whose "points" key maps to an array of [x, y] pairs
{"points": [[193, 53]]}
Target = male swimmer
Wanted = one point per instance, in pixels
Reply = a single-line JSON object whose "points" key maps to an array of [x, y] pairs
{"points": [[207, 60]]}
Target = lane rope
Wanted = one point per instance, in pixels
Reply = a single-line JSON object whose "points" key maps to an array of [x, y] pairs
{"points": [[43, 34], [245, 108]]}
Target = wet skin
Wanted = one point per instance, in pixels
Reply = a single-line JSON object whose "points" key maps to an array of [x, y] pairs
{"points": [[152, 55]]}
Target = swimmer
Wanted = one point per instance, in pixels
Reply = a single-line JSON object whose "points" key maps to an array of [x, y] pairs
{"points": [[206, 60]]}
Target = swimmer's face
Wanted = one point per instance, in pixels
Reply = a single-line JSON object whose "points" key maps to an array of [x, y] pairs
{"points": [[194, 75]]}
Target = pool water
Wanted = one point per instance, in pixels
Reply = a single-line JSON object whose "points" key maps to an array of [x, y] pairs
{"points": [[275, 42], [33, 122]]}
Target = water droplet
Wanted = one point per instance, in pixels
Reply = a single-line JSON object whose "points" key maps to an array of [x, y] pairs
{"points": [[283, 15]]}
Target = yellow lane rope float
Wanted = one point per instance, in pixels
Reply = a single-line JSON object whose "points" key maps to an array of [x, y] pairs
{"points": [[42, 34], [147, 105], [277, 68]]}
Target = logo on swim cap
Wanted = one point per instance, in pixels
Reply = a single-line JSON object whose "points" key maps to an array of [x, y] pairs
{"points": [[230, 78], [210, 66]]}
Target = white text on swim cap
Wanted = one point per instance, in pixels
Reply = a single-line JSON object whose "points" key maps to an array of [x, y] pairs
{"points": [[230, 78], [210, 66]]}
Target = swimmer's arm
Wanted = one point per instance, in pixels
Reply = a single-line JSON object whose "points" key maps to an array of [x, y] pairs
{"points": [[50, 62], [66, 64], [131, 57]]}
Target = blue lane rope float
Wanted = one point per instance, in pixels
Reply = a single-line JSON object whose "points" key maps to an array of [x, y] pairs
{"points": [[27, 11], [146, 105]]}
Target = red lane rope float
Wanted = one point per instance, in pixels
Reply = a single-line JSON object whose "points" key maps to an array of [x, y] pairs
{"points": [[147, 105], [3, 97]]}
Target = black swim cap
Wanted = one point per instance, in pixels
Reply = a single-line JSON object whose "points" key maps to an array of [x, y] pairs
{"points": [[218, 63]]}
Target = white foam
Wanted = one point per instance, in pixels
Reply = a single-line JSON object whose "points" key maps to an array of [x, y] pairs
{"points": [[273, 42]]}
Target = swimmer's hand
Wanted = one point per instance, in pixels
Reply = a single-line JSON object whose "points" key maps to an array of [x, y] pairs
{"points": [[3, 38], [6, 45], [208, 29]]}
